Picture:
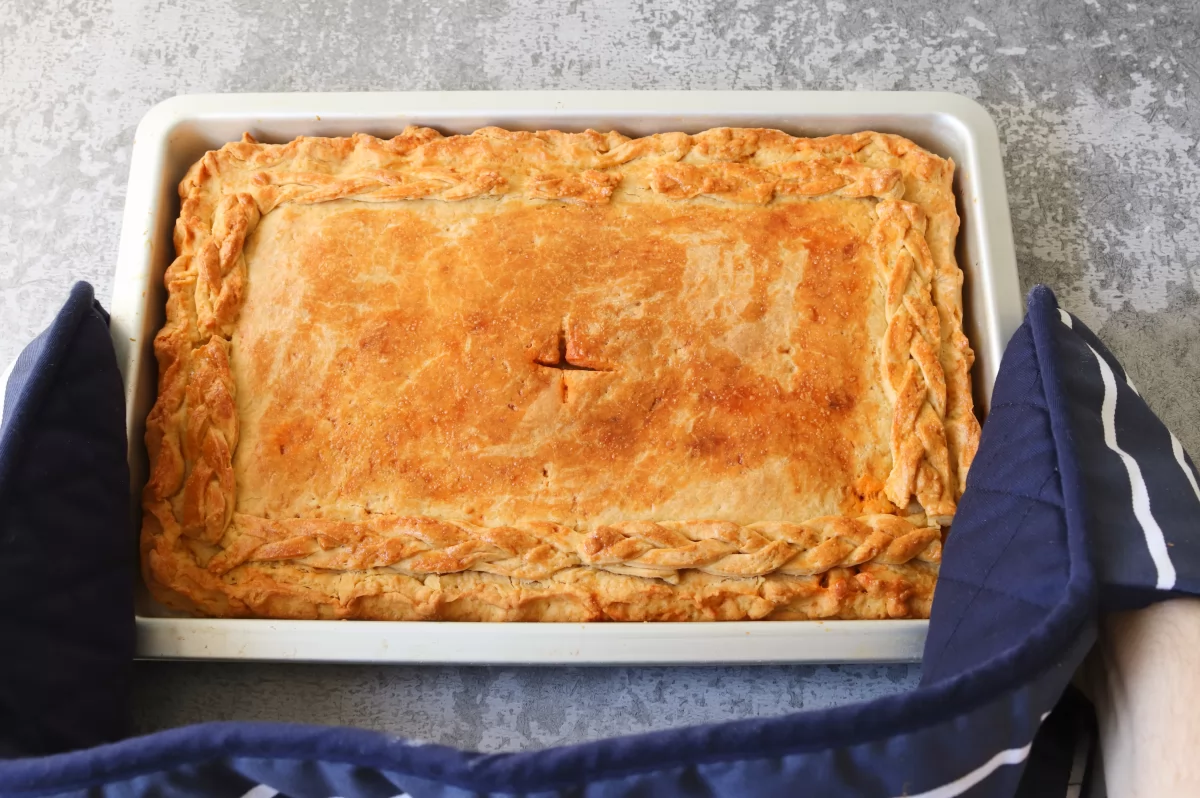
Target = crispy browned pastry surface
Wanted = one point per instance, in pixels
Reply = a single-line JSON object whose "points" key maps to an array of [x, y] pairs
{"points": [[560, 377]]}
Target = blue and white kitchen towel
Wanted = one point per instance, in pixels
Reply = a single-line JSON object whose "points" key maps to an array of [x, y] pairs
{"points": [[1079, 499]]}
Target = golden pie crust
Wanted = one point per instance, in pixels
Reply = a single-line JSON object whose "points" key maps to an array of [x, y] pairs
{"points": [[553, 376]]}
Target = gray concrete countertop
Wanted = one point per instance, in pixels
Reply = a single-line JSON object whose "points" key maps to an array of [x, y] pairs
{"points": [[1098, 106]]}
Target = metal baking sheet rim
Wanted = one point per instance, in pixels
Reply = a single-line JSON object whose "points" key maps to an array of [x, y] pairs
{"points": [[175, 133]]}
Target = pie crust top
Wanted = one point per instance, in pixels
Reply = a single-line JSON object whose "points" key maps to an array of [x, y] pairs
{"points": [[556, 376]]}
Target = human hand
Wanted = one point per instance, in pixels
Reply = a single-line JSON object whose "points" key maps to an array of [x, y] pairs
{"points": [[1144, 678]]}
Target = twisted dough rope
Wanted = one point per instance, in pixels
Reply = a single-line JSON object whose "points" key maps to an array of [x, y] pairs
{"points": [[913, 377], [209, 441], [194, 422], [742, 183], [209, 437], [733, 182], [421, 546], [736, 165]]}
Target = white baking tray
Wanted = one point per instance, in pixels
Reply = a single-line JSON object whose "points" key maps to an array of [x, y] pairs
{"points": [[177, 132]]}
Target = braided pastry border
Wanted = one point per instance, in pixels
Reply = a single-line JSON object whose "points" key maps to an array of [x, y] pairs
{"points": [[913, 377], [192, 430], [420, 546]]}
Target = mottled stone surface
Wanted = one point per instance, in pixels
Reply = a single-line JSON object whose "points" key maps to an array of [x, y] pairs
{"points": [[1098, 113], [498, 709]]}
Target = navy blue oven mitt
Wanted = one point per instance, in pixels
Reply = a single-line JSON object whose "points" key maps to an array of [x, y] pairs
{"points": [[67, 548], [1079, 498]]}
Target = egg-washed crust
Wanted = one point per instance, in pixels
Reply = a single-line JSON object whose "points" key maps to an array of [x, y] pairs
{"points": [[201, 555]]}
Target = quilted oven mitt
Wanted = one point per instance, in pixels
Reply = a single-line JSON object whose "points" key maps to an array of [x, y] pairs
{"points": [[67, 549], [1078, 498]]}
